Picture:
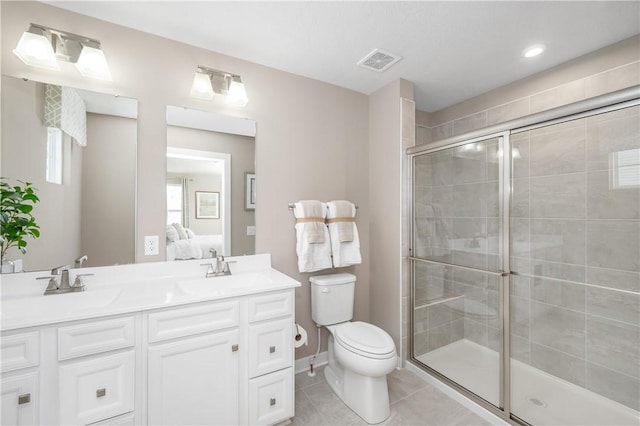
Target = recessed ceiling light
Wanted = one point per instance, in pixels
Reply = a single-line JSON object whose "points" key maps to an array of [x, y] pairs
{"points": [[532, 51]]}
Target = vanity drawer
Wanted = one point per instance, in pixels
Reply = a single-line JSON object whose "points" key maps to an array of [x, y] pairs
{"points": [[97, 389], [184, 322], [95, 337], [271, 398], [270, 306], [270, 346], [20, 351]]}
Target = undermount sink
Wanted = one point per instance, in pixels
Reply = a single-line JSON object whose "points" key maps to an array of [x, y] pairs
{"points": [[80, 301], [224, 284]]}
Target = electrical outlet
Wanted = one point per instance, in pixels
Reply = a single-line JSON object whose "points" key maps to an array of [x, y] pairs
{"points": [[151, 243], [251, 230]]}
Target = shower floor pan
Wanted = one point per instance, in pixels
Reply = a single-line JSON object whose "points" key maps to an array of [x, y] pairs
{"points": [[537, 397]]}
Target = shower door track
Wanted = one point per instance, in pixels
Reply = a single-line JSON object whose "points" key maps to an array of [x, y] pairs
{"points": [[598, 105]]}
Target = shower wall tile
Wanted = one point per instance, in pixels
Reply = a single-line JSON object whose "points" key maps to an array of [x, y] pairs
{"points": [[438, 337], [616, 386], [614, 345], [558, 196], [438, 314], [506, 112], [520, 349], [558, 96], [520, 316], [470, 123], [520, 197], [443, 131], [558, 328], [520, 238], [612, 80], [520, 286], [559, 271], [605, 202], [468, 165], [476, 331], [470, 200], [613, 244], [423, 135], [563, 294], [609, 135], [548, 157], [493, 160], [614, 305], [558, 240], [612, 278], [559, 364], [521, 155]]}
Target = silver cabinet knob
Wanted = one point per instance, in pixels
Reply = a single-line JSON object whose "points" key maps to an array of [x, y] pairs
{"points": [[272, 402], [24, 399], [234, 348], [272, 349], [101, 392]]}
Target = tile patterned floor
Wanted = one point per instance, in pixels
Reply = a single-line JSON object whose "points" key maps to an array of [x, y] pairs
{"points": [[413, 402]]}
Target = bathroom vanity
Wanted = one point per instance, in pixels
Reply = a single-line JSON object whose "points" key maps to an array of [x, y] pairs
{"points": [[151, 344]]}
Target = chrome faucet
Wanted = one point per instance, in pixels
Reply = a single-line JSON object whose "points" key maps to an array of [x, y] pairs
{"points": [[80, 261], [55, 287], [221, 267]]}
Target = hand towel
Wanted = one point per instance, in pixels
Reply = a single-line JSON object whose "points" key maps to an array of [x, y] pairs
{"points": [[345, 253], [342, 213], [313, 245]]}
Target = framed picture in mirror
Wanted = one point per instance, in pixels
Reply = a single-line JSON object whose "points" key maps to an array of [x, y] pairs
{"points": [[207, 205], [250, 191]]}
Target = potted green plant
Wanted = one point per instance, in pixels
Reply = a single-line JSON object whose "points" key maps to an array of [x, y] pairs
{"points": [[16, 221]]}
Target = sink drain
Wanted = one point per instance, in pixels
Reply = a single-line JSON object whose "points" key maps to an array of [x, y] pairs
{"points": [[537, 402]]}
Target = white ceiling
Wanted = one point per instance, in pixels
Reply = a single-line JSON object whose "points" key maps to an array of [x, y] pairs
{"points": [[451, 51]]}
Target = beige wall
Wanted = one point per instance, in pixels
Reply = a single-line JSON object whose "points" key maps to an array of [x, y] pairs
{"points": [[311, 140], [242, 151], [108, 197]]}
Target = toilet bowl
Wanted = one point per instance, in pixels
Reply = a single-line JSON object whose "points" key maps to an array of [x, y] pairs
{"points": [[360, 357], [360, 354]]}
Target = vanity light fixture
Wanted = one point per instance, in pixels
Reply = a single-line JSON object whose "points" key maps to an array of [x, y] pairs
{"points": [[42, 47], [207, 82], [534, 50]]}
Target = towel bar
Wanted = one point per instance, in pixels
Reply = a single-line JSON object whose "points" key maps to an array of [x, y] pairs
{"points": [[292, 206]]}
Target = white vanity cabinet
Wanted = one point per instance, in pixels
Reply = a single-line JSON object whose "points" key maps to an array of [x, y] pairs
{"points": [[271, 353], [172, 351], [96, 370], [19, 381], [194, 365]]}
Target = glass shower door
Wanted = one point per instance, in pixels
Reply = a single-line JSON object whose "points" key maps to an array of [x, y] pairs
{"points": [[457, 263], [575, 255]]}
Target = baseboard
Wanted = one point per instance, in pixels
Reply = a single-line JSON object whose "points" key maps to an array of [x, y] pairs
{"points": [[302, 364], [471, 405]]}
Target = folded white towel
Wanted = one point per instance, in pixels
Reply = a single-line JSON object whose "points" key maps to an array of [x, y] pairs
{"points": [[313, 246], [345, 253]]}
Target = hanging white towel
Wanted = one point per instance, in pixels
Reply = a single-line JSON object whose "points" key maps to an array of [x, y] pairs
{"points": [[313, 246], [345, 243]]}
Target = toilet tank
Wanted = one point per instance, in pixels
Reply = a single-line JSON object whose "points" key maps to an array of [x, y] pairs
{"points": [[332, 298]]}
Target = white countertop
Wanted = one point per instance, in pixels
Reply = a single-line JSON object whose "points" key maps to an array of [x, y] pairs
{"points": [[124, 289]]}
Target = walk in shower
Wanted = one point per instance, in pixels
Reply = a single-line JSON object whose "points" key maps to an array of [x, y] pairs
{"points": [[525, 265]]}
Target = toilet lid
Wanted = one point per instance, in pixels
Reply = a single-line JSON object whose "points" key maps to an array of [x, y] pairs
{"points": [[365, 339]]}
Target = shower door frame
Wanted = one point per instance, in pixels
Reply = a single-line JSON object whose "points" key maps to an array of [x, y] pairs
{"points": [[504, 187], [613, 101]]}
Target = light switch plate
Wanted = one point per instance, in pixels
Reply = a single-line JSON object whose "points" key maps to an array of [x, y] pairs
{"points": [[151, 243]]}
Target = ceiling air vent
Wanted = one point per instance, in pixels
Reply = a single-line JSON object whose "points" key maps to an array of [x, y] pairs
{"points": [[378, 60]]}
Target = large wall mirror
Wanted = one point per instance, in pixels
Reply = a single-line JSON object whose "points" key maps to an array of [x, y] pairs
{"points": [[86, 184], [210, 185]]}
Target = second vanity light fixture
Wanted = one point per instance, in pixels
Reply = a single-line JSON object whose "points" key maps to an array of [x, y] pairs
{"points": [[207, 82], [42, 47]]}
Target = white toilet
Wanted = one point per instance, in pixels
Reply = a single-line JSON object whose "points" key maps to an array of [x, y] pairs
{"points": [[360, 354]]}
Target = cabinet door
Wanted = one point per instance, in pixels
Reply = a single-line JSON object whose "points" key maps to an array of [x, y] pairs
{"points": [[20, 399], [270, 346], [194, 381]]}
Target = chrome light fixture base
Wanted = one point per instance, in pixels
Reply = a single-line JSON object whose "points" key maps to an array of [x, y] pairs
{"points": [[208, 81]]}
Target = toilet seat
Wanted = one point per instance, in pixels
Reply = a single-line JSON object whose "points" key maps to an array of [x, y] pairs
{"points": [[365, 339]]}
